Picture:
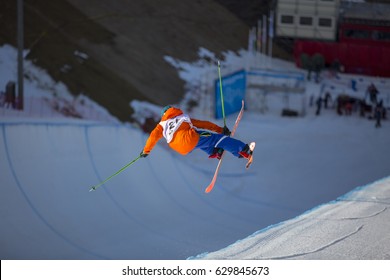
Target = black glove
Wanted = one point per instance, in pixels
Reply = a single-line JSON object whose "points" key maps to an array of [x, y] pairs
{"points": [[143, 155], [226, 131]]}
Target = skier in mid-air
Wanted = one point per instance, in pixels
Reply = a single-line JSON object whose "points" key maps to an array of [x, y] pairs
{"points": [[184, 134]]}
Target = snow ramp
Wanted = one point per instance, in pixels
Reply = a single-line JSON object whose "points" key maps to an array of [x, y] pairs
{"points": [[353, 227], [156, 209]]}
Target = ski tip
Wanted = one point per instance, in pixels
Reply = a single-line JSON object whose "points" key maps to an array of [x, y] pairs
{"points": [[92, 189], [209, 188]]}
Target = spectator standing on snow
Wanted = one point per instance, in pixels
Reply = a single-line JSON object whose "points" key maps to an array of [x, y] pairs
{"points": [[319, 105], [378, 113], [327, 99], [9, 100], [373, 93], [348, 108]]}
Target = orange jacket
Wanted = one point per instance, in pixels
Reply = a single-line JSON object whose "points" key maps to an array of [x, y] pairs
{"points": [[185, 138]]}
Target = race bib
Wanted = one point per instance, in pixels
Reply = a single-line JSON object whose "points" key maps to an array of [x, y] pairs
{"points": [[171, 126]]}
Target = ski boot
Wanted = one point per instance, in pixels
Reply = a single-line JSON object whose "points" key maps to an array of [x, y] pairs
{"points": [[217, 153], [247, 153]]}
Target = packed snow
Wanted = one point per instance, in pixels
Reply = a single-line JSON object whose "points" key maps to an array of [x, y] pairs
{"points": [[352, 227], [157, 208]]}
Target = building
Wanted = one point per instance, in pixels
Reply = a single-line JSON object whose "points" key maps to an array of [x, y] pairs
{"points": [[355, 35], [312, 19]]}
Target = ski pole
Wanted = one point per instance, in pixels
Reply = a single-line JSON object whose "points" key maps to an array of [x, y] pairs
{"points": [[93, 188], [221, 92]]}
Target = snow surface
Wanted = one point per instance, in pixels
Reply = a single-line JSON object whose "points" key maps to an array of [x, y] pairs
{"points": [[352, 227], [157, 208]]}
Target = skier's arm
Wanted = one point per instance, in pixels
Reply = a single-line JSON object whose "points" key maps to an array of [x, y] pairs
{"points": [[207, 125], [154, 137]]}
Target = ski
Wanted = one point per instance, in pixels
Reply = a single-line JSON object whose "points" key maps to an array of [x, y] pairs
{"points": [[250, 159], [211, 185]]}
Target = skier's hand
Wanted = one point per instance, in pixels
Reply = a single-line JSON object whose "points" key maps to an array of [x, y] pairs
{"points": [[226, 131], [143, 155]]}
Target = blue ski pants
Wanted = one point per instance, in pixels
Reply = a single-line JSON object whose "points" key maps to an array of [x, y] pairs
{"points": [[208, 141]]}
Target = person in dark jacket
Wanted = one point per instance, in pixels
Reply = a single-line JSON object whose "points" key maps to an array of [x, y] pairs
{"points": [[378, 113]]}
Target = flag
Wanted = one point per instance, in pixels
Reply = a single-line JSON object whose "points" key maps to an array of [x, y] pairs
{"points": [[264, 34], [258, 37], [252, 40], [271, 24]]}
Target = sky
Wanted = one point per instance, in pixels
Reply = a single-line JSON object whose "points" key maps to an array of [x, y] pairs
{"points": [[157, 208]]}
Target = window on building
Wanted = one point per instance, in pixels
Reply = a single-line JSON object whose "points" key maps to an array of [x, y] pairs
{"points": [[306, 21], [357, 34], [325, 22], [287, 19], [381, 35]]}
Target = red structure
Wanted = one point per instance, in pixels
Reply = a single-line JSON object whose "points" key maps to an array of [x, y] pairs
{"points": [[363, 45]]}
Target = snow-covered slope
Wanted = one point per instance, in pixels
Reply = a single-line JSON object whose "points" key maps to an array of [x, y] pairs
{"points": [[157, 208], [352, 227]]}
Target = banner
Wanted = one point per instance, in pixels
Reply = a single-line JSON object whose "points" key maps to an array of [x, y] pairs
{"points": [[233, 87]]}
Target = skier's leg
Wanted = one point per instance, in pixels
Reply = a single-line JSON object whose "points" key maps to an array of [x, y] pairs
{"points": [[231, 145], [207, 141], [211, 142]]}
